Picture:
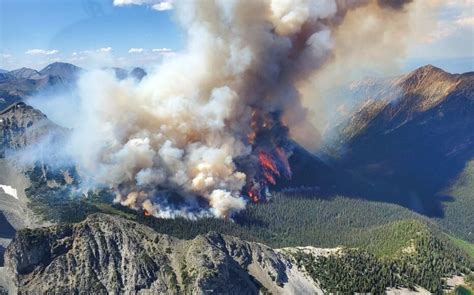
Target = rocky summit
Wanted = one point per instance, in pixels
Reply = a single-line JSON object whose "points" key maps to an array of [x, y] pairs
{"points": [[109, 254]]}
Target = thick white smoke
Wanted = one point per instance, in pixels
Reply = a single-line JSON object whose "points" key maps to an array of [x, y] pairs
{"points": [[181, 128]]}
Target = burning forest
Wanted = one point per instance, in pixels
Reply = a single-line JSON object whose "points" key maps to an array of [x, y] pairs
{"points": [[209, 129], [268, 161]]}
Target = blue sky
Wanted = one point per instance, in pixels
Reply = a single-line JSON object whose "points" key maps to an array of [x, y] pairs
{"points": [[34, 32], [125, 33]]}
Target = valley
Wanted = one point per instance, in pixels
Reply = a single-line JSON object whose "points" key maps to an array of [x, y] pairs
{"points": [[342, 202]]}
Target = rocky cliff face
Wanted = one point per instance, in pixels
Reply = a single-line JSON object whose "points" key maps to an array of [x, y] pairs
{"points": [[21, 125], [108, 254]]}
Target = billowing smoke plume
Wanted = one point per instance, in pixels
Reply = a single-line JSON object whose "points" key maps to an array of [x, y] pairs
{"points": [[174, 137], [394, 4]]}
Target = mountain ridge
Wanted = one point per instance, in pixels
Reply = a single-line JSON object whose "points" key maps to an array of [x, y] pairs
{"points": [[25, 73], [148, 261], [415, 144]]}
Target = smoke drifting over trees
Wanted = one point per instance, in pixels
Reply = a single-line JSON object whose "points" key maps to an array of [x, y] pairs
{"points": [[176, 134]]}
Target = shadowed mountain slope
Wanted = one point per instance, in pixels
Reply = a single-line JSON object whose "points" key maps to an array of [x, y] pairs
{"points": [[411, 147]]}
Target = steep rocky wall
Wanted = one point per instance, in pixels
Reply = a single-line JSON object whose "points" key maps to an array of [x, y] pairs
{"points": [[108, 254]]}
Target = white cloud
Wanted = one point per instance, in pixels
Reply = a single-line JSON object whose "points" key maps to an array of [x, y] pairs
{"points": [[459, 3], [5, 55], [160, 5], [163, 5], [105, 49], [42, 52], [162, 50], [132, 2], [455, 18], [136, 50], [84, 52]]}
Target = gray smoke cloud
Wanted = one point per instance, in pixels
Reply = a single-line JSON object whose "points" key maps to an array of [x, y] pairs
{"points": [[394, 4], [182, 126]]}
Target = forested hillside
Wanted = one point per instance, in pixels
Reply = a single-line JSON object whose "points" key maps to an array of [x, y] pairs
{"points": [[427, 261]]}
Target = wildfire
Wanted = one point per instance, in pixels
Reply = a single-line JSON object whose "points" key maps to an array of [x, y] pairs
{"points": [[146, 213], [253, 196], [269, 167], [254, 126], [267, 163], [267, 136]]}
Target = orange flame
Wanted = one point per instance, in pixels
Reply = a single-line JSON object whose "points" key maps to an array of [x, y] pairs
{"points": [[272, 159], [253, 196], [146, 213], [269, 177], [268, 163]]}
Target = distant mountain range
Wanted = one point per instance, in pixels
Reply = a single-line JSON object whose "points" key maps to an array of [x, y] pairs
{"points": [[63, 70], [19, 84]]}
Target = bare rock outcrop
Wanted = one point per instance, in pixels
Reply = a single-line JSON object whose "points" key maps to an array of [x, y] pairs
{"points": [[109, 254]]}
